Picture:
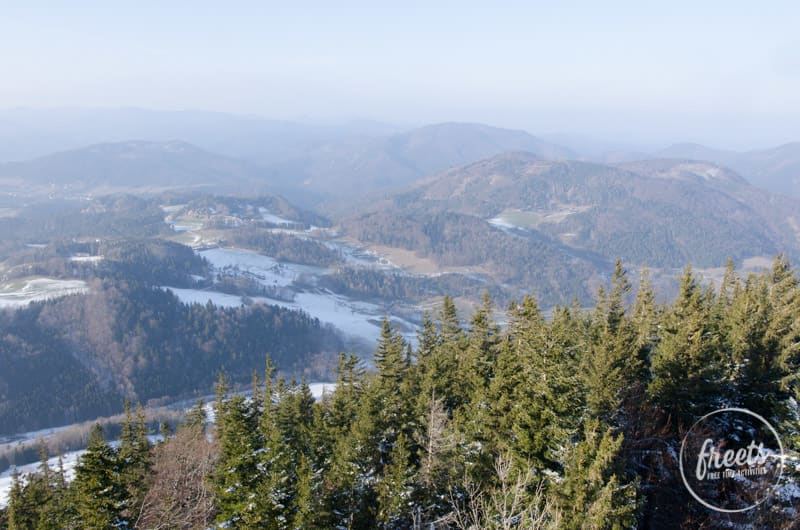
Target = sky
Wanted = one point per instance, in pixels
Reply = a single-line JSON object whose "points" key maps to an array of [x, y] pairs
{"points": [[721, 73]]}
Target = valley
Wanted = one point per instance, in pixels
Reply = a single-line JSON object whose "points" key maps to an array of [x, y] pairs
{"points": [[111, 290]]}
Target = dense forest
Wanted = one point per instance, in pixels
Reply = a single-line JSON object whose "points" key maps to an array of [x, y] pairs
{"points": [[557, 273], [127, 339], [110, 217], [390, 285], [283, 247], [570, 422], [214, 210], [155, 261]]}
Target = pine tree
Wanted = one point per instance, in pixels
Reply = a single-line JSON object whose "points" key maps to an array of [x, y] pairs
{"points": [[685, 365], [440, 376], [236, 474], [394, 487], [547, 406], [593, 494], [783, 332], [751, 364], [19, 515], [100, 498], [388, 395], [306, 509], [612, 365], [134, 460]]}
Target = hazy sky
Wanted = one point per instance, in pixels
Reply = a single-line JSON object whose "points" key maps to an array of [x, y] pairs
{"points": [[724, 73]]}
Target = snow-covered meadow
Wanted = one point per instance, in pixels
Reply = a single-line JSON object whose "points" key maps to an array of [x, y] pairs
{"points": [[354, 318], [21, 292]]}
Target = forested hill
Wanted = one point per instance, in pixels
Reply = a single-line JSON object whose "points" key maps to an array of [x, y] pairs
{"points": [[662, 213], [565, 423], [80, 356], [132, 165]]}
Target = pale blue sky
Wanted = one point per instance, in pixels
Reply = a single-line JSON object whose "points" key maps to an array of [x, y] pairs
{"points": [[724, 73]]}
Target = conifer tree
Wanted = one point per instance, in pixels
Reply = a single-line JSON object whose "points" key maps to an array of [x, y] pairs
{"points": [[134, 460], [546, 412], [593, 492], [236, 473], [394, 488], [446, 362], [612, 365], [783, 332], [100, 497], [751, 365], [685, 365], [388, 394], [306, 509], [19, 515], [644, 321]]}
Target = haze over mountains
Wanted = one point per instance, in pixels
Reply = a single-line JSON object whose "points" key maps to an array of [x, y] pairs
{"points": [[684, 203], [776, 169], [135, 165]]}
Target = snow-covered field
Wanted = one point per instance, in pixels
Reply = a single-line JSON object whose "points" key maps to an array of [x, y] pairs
{"points": [[269, 271], [22, 292], [70, 460], [501, 222], [271, 218], [86, 259], [353, 317]]}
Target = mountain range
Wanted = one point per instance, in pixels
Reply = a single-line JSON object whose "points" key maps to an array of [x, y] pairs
{"points": [[776, 169], [551, 225], [468, 196]]}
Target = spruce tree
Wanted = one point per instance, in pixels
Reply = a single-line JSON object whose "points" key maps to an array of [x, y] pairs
{"points": [[395, 487], [547, 405], [134, 460], [685, 366], [594, 492], [612, 365], [100, 497], [236, 474]]}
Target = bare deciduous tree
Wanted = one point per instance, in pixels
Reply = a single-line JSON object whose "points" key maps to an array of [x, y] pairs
{"points": [[180, 496], [509, 506]]}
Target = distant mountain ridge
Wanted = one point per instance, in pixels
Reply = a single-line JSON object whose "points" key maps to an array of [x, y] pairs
{"points": [[776, 169], [364, 165], [308, 168], [661, 213], [135, 165]]}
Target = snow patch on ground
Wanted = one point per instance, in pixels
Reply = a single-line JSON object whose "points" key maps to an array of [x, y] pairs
{"points": [[353, 317], [274, 219], [267, 270], [502, 223], [86, 259], [70, 460], [15, 295]]}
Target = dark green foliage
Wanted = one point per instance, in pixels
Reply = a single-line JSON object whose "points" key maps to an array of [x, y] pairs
{"points": [[284, 247], [391, 285], [136, 341], [524, 259], [100, 497], [567, 422], [686, 363]]}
